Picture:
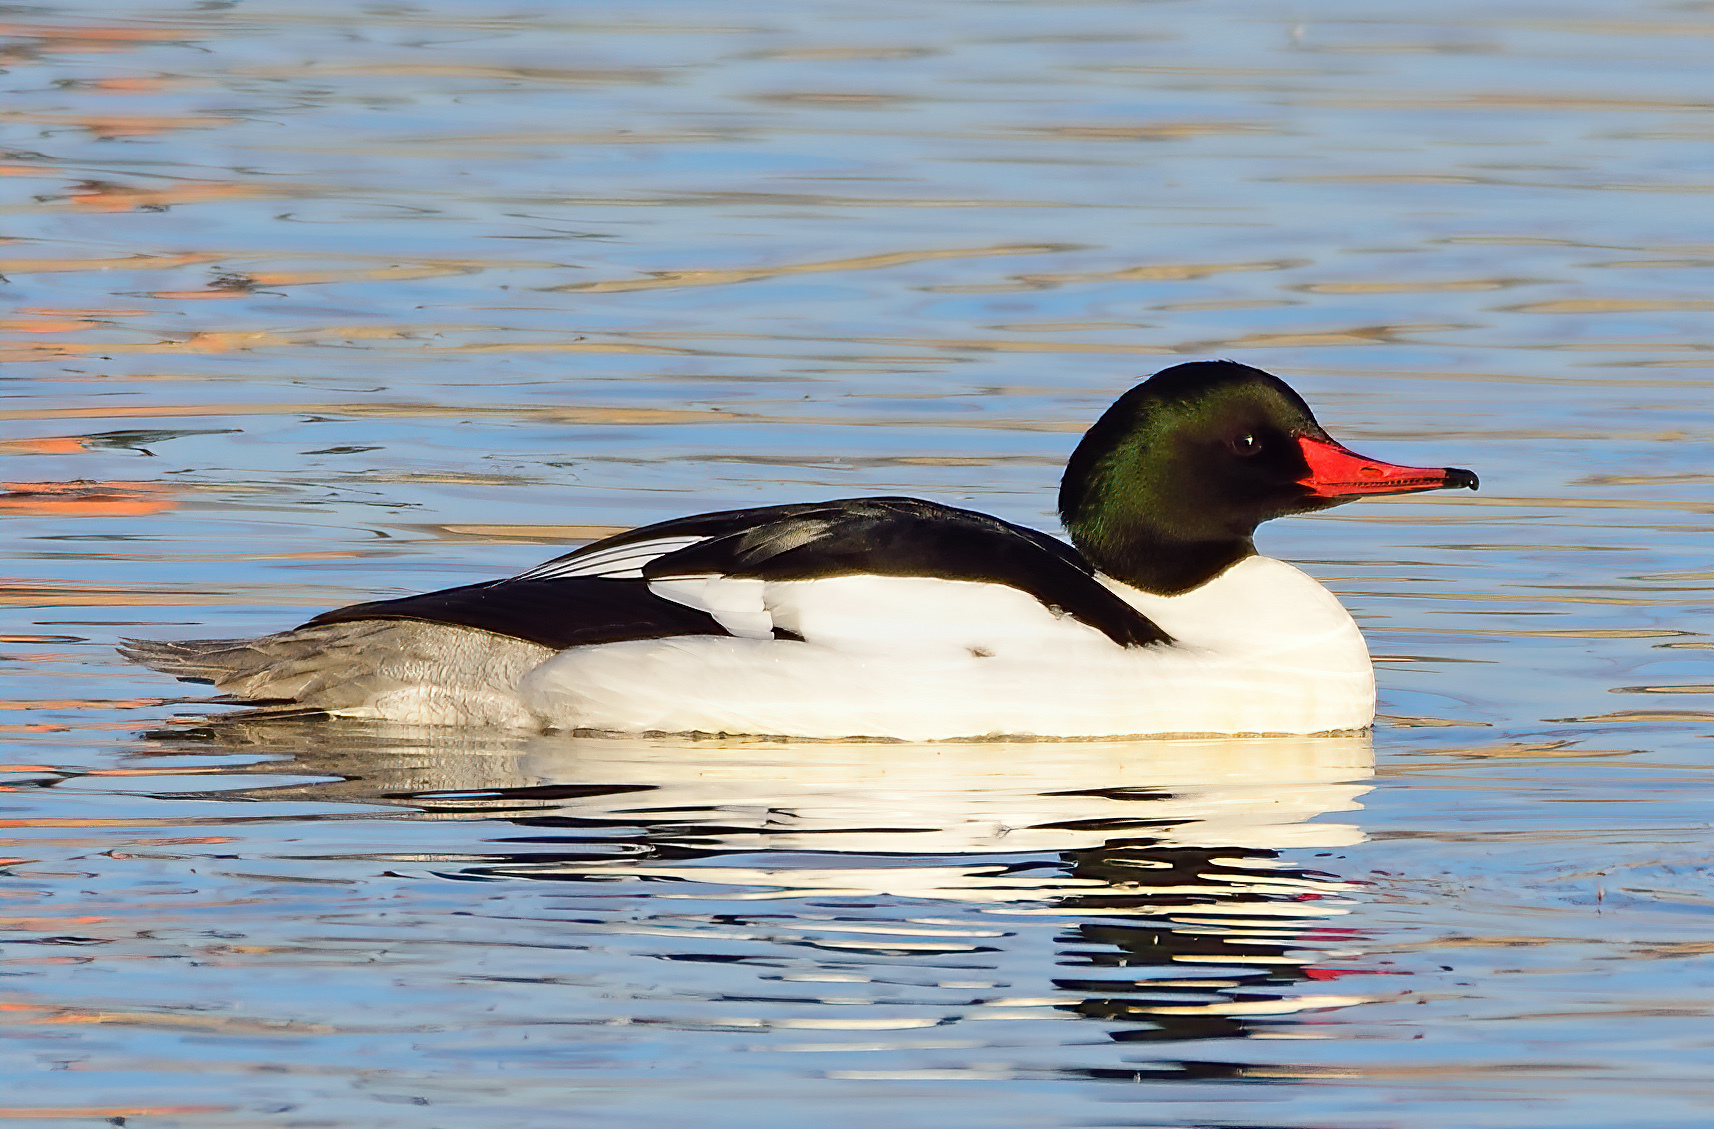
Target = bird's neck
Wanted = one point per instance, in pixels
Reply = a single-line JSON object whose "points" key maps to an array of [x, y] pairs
{"points": [[1159, 563]]}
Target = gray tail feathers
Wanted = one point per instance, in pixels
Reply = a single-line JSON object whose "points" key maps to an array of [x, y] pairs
{"points": [[193, 660], [406, 670], [307, 666]]}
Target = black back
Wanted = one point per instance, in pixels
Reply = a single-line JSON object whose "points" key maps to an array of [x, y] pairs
{"points": [[874, 536]]}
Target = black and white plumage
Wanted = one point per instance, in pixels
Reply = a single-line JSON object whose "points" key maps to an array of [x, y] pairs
{"points": [[704, 575], [897, 617]]}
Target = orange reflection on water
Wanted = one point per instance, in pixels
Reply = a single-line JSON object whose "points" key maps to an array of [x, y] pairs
{"points": [[56, 264], [106, 196], [131, 125], [86, 499], [49, 445]]}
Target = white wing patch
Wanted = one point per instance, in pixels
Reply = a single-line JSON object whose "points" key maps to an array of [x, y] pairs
{"points": [[621, 562], [737, 605]]}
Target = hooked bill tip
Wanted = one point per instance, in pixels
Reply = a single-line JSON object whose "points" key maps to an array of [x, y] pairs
{"points": [[1457, 477]]}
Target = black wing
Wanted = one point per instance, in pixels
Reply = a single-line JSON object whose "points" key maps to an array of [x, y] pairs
{"points": [[554, 613], [599, 593]]}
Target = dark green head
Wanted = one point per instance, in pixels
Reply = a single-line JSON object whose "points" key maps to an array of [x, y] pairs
{"points": [[1166, 490]]}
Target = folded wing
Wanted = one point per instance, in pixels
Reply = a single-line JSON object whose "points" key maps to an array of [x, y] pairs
{"points": [[736, 572]]}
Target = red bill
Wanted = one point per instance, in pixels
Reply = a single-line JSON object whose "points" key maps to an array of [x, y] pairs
{"points": [[1335, 472]]}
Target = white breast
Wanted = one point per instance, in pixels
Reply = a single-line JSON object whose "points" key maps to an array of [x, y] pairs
{"points": [[1260, 608], [1262, 648]]}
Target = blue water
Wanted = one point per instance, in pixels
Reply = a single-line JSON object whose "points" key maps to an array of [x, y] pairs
{"points": [[311, 303]]}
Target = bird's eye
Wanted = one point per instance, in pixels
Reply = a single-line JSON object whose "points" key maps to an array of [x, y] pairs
{"points": [[1246, 444]]}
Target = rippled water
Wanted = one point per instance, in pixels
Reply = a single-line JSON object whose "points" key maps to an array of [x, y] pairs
{"points": [[312, 303]]}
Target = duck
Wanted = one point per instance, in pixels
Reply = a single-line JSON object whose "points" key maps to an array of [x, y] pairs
{"points": [[895, 617]]}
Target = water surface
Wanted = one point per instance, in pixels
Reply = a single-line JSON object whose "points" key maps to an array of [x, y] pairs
{"points": [[313, 303]]}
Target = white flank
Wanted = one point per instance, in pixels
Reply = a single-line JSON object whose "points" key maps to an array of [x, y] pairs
{"points": [[1262, 648]]}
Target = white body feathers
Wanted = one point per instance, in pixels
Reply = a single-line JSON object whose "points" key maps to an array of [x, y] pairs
{"points": [[1262, 648]]}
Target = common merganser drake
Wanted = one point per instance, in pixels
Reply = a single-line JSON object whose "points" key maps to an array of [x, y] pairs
{"points": [[897, 617]]}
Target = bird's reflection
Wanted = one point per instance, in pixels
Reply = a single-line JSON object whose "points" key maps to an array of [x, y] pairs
{"points": [[1176, 866]]}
